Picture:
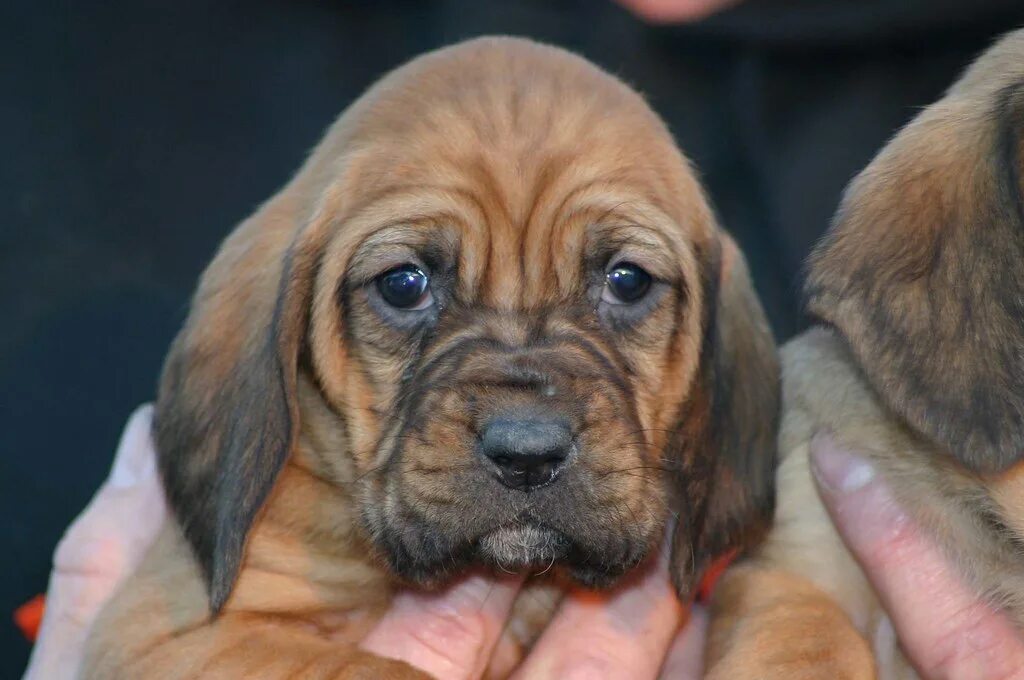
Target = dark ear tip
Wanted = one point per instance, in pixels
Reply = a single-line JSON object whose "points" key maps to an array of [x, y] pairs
{"points": [[219, 590], [685, 566], [221, 575], [685, 582]]}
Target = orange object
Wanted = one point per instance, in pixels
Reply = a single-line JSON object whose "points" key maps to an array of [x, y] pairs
{"points": [[29, 615], [711, 576]]}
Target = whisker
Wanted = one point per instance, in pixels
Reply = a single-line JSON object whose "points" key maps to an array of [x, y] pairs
{"points": [[547, 568]]}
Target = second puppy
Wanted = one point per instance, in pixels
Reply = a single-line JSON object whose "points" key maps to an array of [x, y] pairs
{"points": [[918, 363]]}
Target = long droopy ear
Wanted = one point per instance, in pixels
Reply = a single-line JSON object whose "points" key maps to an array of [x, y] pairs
{"points": [[729, 428], [226, 415], [923, 270]]}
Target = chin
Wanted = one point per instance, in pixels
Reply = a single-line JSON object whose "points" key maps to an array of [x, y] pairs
{"points": [[523, 548]]}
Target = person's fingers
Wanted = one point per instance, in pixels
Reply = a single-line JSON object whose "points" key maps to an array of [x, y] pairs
{"points": [[946, 630], [450, 634], [685, 660], [100, 548], [672, 11], [621, 634]]}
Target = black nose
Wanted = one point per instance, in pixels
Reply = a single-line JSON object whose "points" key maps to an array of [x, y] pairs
{"points": [[527, 452]]}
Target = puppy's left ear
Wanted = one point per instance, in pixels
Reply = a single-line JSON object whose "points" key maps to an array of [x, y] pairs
{"points": [[227, 412], [729, 428], [923, 271]]}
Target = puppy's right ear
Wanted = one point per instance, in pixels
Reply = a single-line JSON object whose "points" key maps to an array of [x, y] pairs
{"points": [[727, 436], [226, 414], [923, 270]]}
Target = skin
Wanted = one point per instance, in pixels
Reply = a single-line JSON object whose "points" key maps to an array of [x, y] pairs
{"points": [[98, 550], [945, 630], [676, 11]]}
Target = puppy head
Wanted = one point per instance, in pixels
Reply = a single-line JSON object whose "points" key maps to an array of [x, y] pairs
{"points": [[923, 270], [508, 289]]}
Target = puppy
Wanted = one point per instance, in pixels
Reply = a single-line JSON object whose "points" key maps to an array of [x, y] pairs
{"points": [[491, 322], [919, 364]]}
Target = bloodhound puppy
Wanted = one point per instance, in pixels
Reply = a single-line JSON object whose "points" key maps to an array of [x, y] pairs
{"points": [[490, 322], [919, 364]]}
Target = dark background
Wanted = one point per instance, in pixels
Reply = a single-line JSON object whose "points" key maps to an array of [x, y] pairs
{"points": [[136, 134]]}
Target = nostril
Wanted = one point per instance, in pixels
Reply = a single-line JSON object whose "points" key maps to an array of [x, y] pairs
{"points": [[503, 461]]}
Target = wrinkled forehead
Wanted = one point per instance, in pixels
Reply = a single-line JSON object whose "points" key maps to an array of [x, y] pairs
{"points": [[514, 155]]}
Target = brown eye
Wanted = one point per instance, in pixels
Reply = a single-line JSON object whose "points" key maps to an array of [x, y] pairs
{"points": [[405, 287], [626, 283]]}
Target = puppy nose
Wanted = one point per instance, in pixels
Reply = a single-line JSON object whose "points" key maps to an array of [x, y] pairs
{"points": [[526, 452]]}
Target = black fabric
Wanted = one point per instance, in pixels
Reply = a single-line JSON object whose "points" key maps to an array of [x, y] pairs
{"points": [[136, 134], [832, 23]]}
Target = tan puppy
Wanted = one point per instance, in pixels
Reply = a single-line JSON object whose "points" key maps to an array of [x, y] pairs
{"points": [[920, 366], [491, 321]]}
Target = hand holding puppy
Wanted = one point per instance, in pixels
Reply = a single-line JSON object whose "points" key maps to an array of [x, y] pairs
{"points": [[944, 629], [98, 550]]}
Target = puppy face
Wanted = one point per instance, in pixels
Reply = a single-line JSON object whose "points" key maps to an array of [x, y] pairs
{"points": [[923, 271], [508, 290], [516, 424]]}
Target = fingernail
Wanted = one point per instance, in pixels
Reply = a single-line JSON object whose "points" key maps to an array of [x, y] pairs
{"points": [[837, 469], [861, 504], [135, 460]]}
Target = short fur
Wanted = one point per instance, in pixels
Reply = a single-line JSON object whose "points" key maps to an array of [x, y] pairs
{"points": [[919, 364], [319, 447]]}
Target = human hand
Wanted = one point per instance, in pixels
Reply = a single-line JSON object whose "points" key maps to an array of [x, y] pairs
{"points": [[101, 547], [634, 631], [946, 630], [631, 632], [675, 11]]}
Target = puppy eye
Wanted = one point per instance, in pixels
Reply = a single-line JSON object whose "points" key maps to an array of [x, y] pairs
{"points": [[405, 287], [625, 283]]}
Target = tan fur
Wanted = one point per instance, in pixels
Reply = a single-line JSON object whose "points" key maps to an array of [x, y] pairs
{"points": [[770, 623], [915, 279], [281, 404]]}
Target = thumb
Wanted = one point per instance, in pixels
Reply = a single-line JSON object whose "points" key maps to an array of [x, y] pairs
{"points": [[450, 634], [100, 548], [946, 630]]}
